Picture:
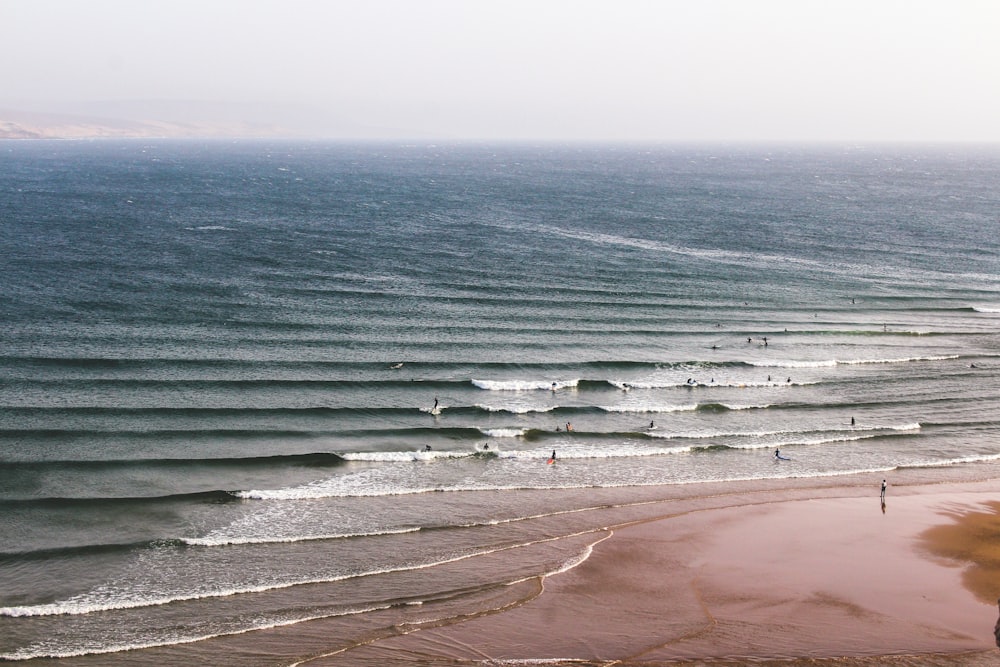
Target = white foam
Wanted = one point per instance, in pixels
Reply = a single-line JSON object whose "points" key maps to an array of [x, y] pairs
{"points": [[525, 385], [846, 362], [399, 457], [516, 409], [503, 432], [221, 540], [648, 409]]}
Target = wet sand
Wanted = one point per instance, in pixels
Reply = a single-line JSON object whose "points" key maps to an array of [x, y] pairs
{"points": [[779, 577]]}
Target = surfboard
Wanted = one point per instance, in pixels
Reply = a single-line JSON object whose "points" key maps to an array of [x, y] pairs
{"points": [[551, 461], [435, 411], [782, 458]]}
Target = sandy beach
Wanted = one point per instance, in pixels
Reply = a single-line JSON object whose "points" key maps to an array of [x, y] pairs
{"points": [[796, 577]]}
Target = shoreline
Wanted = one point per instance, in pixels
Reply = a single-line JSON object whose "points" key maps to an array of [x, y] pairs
{"points": [[787, 577], [797, 572]]}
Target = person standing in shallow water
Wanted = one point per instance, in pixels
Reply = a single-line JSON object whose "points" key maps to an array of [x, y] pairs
{"points": [[882, 497]]}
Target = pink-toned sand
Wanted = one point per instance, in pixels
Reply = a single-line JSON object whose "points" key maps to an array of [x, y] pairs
{"points": [[773, 579]]}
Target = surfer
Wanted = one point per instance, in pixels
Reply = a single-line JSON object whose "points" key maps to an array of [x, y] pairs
{"points": [[434, 409], [569, 427], [852, 421], [553, 457], [651, 425], [777, 453], [427, 448], [882, 497]]}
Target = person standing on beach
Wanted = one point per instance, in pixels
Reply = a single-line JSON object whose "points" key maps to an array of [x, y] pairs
{"points": [[883, 492]]}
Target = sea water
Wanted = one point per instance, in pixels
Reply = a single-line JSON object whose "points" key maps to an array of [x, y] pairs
{"points": [[248, 384]]}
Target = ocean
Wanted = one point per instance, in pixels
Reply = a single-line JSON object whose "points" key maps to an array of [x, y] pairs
{"points": [[248, 386]]}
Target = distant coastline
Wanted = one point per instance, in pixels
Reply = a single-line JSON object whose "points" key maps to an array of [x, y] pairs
{"points": [[31, 125]]}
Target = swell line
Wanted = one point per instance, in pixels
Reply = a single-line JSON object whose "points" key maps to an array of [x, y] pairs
{"points": [[319, 459]]}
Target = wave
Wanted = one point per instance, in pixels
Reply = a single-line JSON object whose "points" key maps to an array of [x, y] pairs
{"points": [[221, 540], [214, 539], [689, 407], [848, 362], [959, 460], [214, 497], [236, 384], [517, 410], [108, 411], [693, 435], [84, 550], [803, 440], [29, 654], [317, 459], [620, 409], [525, 385], [504, 432]]}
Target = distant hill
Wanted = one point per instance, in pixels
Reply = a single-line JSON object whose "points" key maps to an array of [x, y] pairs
{"points": [[31, 125]]}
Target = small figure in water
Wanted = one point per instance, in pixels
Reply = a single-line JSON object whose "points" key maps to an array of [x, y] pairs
{"points": [[569, 427], [553, 458], [651, 425], [486, 446], [427, 448], [435, 403], [883, 492], [777, 453], [852, 421]]}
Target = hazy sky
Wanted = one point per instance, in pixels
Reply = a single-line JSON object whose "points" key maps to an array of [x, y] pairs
{"points": [[855, 70]]}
